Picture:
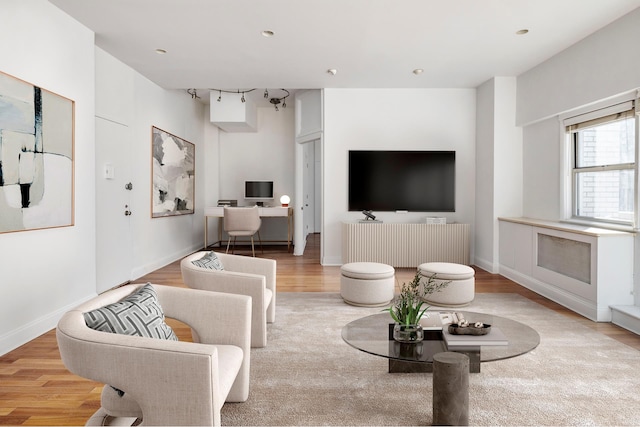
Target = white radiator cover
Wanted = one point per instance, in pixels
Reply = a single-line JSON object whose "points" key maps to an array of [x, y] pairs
{"points": [[405, 245], [586, 269]]}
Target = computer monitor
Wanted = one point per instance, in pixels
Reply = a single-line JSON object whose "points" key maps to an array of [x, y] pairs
{"points": [[258, 189]]}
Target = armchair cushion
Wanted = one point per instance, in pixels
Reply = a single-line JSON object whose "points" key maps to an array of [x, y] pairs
{"points": [[209, 260], [139, 314]]}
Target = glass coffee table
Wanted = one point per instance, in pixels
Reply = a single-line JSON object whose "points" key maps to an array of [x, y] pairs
{"points": [[372, 334]]}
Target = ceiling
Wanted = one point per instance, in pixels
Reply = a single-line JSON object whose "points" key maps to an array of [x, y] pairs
{"points": [[370, 43]]}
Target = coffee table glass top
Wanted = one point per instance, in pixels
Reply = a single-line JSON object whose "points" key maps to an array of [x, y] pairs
{"points": [[371, 335]]}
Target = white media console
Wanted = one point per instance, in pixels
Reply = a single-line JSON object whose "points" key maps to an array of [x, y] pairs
{"points": [[405, 245]]}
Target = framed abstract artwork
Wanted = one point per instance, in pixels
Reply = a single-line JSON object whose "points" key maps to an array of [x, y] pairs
{"points": [[36, 157], [173, 174]]}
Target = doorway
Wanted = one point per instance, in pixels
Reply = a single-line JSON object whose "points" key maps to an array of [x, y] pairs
{"points": [[114, 253], [311, 189]]}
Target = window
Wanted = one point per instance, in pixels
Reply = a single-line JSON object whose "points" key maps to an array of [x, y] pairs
{"points": [[604, 165]]}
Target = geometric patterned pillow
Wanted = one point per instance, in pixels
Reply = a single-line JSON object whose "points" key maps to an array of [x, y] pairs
{"points": [[138, 314], [209, 260]]}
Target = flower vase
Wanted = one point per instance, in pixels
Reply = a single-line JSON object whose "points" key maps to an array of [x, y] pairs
{"points": [[408, 333]]}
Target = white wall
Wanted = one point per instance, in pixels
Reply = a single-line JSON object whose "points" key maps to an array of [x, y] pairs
{"points": [[600, 66], [45, 272], [541, 170], [499, 166], [211, 172], [155, 241], [269, 155], [485, 175], [398, 119], [159, 241], [508, 155]]}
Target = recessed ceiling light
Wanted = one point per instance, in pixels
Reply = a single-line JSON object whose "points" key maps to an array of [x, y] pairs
{"points": [[522, 32], [268, 33], [332, 71], [161, 51], [418, 71]]}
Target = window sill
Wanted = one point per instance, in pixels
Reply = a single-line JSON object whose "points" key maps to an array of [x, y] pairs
{"points": [[603, 225]]}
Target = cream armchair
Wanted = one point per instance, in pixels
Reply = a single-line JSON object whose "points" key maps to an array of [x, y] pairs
{"points": [[243, 275], [165, 382]]}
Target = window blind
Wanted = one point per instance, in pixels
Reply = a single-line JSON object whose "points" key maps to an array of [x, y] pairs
{"points": [[613, 113]]}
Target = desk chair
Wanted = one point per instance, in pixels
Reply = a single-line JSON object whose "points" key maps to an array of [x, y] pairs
{"points": [[242, 222]]}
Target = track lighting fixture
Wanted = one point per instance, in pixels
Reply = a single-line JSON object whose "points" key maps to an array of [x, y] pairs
{"points": [[274, 100], [193, 93]]}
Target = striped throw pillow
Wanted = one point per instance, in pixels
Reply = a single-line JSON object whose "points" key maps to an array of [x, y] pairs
{"points": [[209, 260], [139, 314]]}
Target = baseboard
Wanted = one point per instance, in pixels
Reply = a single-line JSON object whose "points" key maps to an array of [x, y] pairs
{"points": [[331, 261], [486, 265], [138, 272], [562, 297], [32, 330], [627, 317]]}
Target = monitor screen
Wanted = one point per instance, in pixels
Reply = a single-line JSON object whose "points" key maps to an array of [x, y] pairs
{"points": [[258, 189]]}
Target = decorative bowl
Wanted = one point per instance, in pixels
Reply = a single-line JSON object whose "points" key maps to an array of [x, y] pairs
{"points": [[455, 329]]}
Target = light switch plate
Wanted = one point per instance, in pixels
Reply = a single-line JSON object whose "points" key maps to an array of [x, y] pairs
{"points": [[109, 172]]}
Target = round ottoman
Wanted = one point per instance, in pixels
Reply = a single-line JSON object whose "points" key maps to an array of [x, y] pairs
{"points": [[459, 292], [367, 284]]}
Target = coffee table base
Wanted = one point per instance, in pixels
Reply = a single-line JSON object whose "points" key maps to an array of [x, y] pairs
{"points": [[405, 367]]}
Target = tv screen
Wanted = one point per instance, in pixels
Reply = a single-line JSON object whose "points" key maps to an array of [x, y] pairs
{"points": [[419, 181], [258, 189]]}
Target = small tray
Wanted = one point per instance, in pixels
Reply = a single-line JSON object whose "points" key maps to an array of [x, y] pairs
{"points": [[454, 329]]}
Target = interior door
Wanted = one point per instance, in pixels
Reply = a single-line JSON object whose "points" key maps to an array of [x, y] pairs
{"points": [[114, 250], [317, 176], [309, 189]]}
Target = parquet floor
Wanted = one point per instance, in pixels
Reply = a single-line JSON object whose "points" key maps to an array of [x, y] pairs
{"points": [[36, 389]]}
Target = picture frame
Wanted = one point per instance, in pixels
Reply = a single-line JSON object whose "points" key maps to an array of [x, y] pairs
{"points": [[172, 174], [37, 132]]}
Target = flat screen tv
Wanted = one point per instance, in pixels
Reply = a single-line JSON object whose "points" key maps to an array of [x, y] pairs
{"points": [[419, 181], [258, 189]]}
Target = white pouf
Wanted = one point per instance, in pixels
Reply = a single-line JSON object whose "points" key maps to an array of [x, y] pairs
{"points": [[461, 290], [367, 284]]}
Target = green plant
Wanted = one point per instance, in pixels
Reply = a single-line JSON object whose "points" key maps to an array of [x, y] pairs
{"points": [[409, 306]]}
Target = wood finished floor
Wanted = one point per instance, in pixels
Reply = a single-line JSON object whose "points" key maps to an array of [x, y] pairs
{"points": [[36, 389]]}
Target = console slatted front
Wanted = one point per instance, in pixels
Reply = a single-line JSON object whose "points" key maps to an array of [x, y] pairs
{"points": [[405, 245]]}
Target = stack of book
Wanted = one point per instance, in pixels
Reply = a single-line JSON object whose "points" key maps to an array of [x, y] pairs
{"points": [[440, 320]]}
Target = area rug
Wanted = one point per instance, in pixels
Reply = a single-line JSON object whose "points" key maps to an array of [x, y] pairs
{"points": [[307, 375]]}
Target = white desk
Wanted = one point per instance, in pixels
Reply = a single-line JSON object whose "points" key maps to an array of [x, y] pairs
{"points": [[265, 212]]}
